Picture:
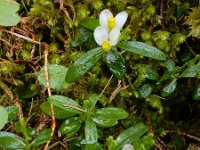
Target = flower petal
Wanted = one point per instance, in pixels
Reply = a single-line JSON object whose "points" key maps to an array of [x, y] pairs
{"points": [[103, 18], [100, 35], [114, 36], [121, 18]]}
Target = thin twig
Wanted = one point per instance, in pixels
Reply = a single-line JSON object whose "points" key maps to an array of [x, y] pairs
{"points": [[20, 112], [53, 121], [106, 86], [23, 37], [185, 134]]}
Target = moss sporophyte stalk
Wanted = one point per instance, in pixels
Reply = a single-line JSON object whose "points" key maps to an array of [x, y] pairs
{"points": [[108, 33]]}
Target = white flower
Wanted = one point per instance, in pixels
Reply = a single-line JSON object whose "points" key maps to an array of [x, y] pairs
{"points": [[107, 20], [105, 39], [107, 34]]}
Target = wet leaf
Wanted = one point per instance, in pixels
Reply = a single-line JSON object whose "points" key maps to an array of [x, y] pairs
{"points": [[142, 49], [130, 135], [8, 15], [150, 74], [104, 122], [59, 112], [191, 71], [70, 126], [64, 103], [169, 88], [57, 75], [170, 65], [83, 64], [145, 90], [116, 63], [43, 136], [110, 113], [91, 135], [11, 141], [3, 117]]}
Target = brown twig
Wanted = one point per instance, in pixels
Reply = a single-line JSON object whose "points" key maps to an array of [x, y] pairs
{"points": [[117, 90], [20, 112], [106, 86], [185, 134], [53, 121]]}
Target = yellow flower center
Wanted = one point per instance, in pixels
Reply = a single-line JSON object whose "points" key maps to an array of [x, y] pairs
{"points": [[111, 22], [106, 46]]}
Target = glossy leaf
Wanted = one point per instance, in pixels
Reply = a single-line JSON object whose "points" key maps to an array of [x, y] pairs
{"points": [[196, 93], [64, 103], [150, 74], [3, 117], [90, 23], [110, 113], [79, 38], [12, 112], [142, 49], [8, 15], [105, 122], [57, 75], [59, 112], [11, 141], [130, 135], [70, 126], [169, 88], [83, 64], [145, 90], [43, 136], [191, 71], [91, 135], [170, 65], [115, 63]]}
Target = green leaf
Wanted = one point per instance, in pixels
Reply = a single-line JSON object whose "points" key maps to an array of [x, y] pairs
{"points": [[57, 75], [23, 128], [59, 112], [8, 15], [80, 37], [12, 112], [64, 103], [11, 141], [130, 135], [170, 65], [142, 49], [3, 117], [91, 135], [169, 88], [110, 113], [29, 91], [90, 23], [181, 12], [145, 90], [104, 122], [196, 93], [150, 74], [43, 136], [70, 126], [125, 35], [191, 71], [83, 64], [116, 63]]}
